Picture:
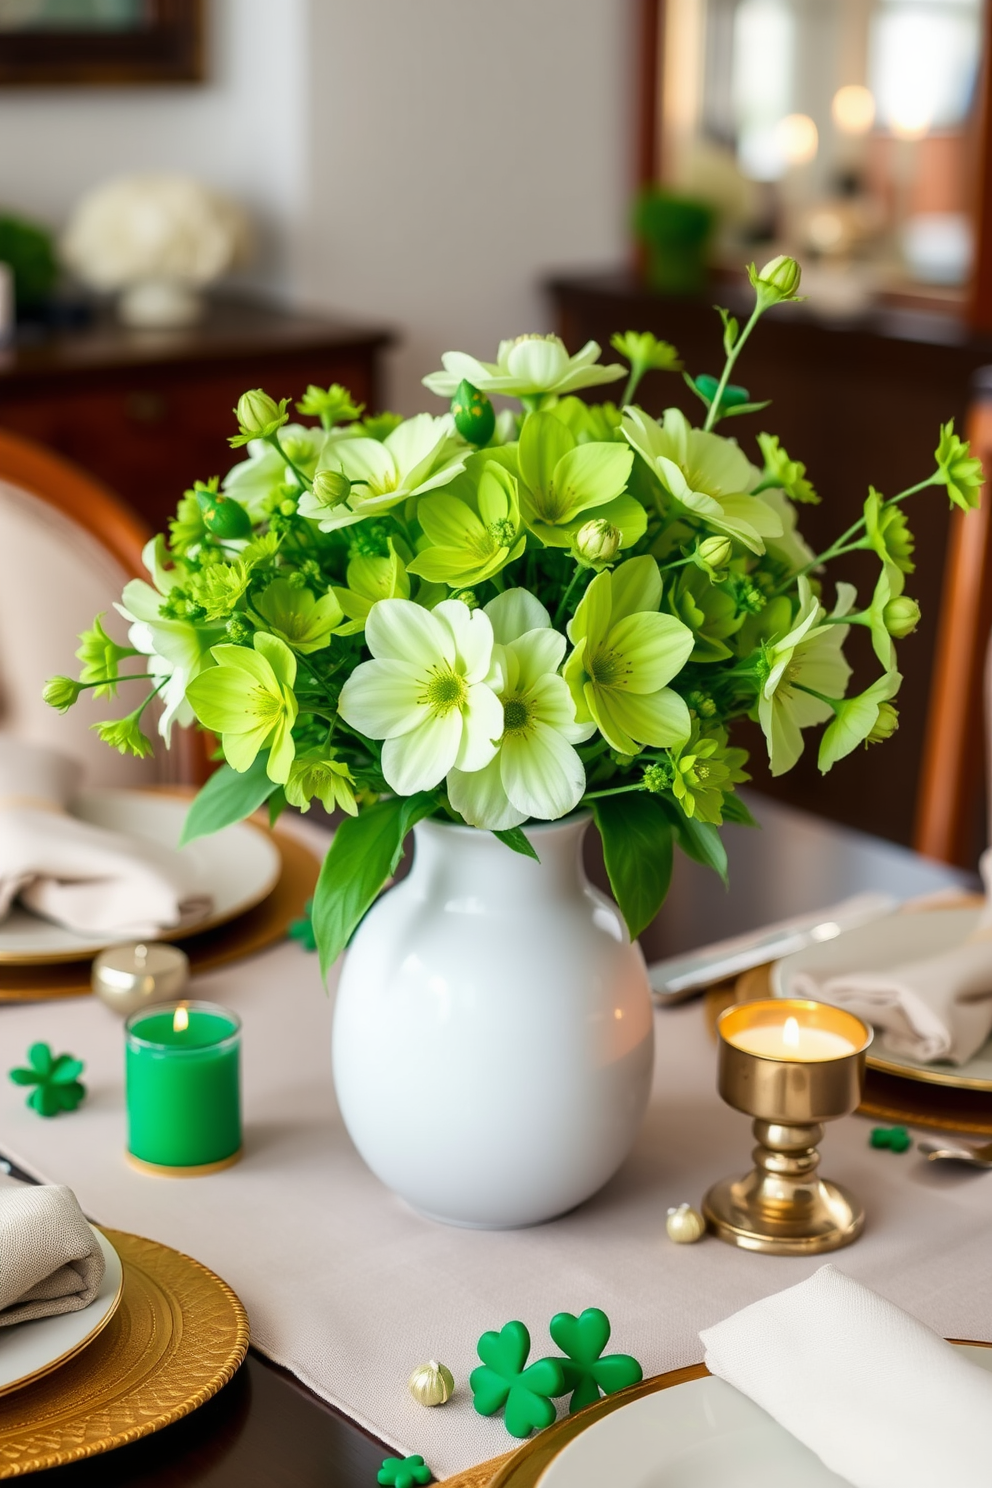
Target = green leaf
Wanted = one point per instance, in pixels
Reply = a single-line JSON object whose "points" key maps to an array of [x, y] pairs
{"points": [[701, 841], [739, 408], [690, 383], [734, 810], [277, 805], [365, 851], [637, 848], [228, 796], [514, 838]]}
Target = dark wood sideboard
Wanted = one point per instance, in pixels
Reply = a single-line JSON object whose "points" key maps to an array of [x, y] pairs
{"points": [[147, 412], [857, 400]]}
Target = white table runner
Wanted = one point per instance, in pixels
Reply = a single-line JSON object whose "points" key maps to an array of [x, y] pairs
{"points": [[349, 1289]]}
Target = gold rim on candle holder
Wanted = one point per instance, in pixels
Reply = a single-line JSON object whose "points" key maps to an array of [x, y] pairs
{"points": [[783, 1206], [167, 1170]]}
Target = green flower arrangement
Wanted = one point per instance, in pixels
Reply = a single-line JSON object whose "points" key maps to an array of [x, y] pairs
{"points": [[498, 619]]}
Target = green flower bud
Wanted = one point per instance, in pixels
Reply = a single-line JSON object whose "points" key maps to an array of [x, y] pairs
{"points": [[468, 597], [716, 552], [331, 487], [238, 630], [598, 542], [901, 616], [658, 778], [885, 724], [288, 507], [61, 693], [259, 415], [124, 735], [474, 415], [778, 280], [223, 517]]}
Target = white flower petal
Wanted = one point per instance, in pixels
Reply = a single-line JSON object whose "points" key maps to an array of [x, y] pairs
{"points": [[471, 634], [480, 798], [538, 653], [404, 631], [420, 760], [381, 699], [542, 774], [482, 724], [514, 612], [537, 362]]}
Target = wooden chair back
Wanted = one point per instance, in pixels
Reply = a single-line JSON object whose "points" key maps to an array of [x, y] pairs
{"points": [[953, 767]]}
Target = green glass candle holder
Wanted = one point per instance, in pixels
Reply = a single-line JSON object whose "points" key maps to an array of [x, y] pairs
{"points": [[183, 1079]]}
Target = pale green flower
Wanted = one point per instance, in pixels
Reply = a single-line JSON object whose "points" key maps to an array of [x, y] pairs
{"points": [[298, 617], [536, 771], [474, 528], [597, 543], [699, 773], [527, 367], [124, 735], [317, 774], [428, 692], [248, 699], [788, 475], [890, 614], [333, 405], [258, 416], [791, 548], [960, 471], [61, 693], [419, 455], [708, 475], [624, 656], [177, 650], [808, 657], [261, 481], [778, 280], [562, 482], [369, 580], [101, 659], [887, 531], [855, 720]]}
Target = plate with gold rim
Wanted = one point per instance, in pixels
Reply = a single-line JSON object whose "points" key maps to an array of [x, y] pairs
{"points": [[29, 1351], [238, 866], [677, 1428]]}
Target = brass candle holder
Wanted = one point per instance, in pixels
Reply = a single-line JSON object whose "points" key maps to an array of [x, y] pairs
{"points": [[792, 1065]]}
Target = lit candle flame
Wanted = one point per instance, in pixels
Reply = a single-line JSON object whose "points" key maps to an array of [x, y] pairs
{"points": [[790, 1034], [180, 1020], [141, 954]]}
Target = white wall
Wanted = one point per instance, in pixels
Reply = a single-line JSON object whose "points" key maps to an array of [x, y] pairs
{"points": [[461, 152], [421, 163]]}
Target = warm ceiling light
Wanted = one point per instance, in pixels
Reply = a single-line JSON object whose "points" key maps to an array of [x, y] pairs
{"points": [[798, 138], [911, 118], [853, 109]]}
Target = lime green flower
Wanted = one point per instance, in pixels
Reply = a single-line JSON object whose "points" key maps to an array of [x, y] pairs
{"points": [[591, 423], [426, 692], [474, 528], [803, 669], [186, 528], [855, 720], [702, 771], [706, 474], [248, 699], [528, 367], [371, 578], [61, 693], [536, 771], [418, 456], [711, 613], [959, 470], [645, 352], [333, 405], [298, 617], [561, 480], [101, 658], [124, 735], [887, 532], [790, 549], [262, 481], [624, 656], [890, 614], [318, 775], [885, 724], [258, 417], [788, 475]]}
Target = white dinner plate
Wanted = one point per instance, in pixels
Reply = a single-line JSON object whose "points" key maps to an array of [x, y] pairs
{"points": [[238, 866], [878, 946], [30, 1350], [704, 1433]]}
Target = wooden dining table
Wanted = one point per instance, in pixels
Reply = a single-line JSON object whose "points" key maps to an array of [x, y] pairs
{"points": [[265, 1429]]}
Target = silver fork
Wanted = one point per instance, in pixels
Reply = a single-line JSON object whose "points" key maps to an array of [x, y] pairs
{"points": [[976, 1157]]}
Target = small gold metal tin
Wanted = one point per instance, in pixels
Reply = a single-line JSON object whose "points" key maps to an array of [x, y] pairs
{"points": [[782, 1207]]}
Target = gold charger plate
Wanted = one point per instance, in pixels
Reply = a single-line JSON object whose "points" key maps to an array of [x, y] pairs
{"points": [[524, 1467], [177, 1338], [250, 932]]}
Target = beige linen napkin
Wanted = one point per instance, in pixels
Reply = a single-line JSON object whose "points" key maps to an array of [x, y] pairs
{"points": [[879, 1398], [939, 1008], [50, 1261], [81, 876]]}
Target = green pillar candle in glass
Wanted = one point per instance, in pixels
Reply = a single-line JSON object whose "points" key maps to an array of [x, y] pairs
{"points": [[183, 1088]]}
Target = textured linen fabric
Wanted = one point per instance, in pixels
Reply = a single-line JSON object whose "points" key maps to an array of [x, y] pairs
{"points": [[81, 876], [50, 1261], [881, 1399], [350, 1289]]}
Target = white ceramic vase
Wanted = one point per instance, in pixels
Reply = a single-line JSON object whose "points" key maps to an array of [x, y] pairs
{"points": [[493, 1034]]}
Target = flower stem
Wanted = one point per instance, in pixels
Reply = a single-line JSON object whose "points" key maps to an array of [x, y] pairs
{"points": [[620, 790], [560, 612], [276, 443], [713, 412]]}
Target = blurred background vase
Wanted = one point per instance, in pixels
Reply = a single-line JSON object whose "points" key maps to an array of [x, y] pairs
{"points": [[158, 240]]}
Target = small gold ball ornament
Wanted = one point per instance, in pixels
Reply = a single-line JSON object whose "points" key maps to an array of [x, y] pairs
{"points": [[432, 1383], [685, 1225]]}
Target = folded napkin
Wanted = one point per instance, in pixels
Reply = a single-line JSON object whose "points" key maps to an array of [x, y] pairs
{"points": [[81, 876], [50, 1261], [939, 1008], [879, 1398]]}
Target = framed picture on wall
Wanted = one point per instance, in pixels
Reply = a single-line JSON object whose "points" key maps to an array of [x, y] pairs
{"points": [[101, 42]]}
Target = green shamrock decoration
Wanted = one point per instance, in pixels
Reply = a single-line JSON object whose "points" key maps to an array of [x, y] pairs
{"points": [[55, 1078], [302, 929], [404, 1472], [505, 1379], [587, 1372], [896, 1138]]}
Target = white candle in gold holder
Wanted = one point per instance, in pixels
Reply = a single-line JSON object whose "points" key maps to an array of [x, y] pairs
{"points": [[129, 977]]}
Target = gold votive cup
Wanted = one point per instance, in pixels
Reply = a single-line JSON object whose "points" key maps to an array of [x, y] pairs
{"points": [[130, 977], [782, 1206]]}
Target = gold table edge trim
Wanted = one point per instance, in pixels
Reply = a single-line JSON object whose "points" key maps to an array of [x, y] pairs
{"points": [[524, 1468], [221, 1376], [77, 1348]]}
